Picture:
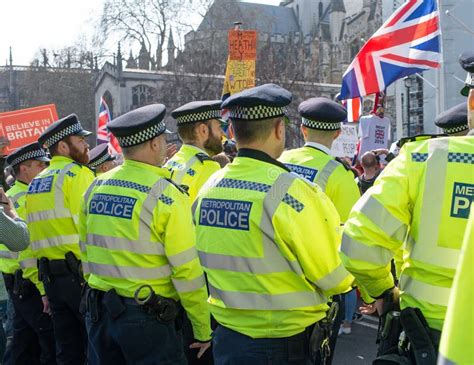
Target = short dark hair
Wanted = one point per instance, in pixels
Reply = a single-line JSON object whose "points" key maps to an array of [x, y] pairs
{"points": [[250, 131], [187, 132], [53, 150], [16, 168]]}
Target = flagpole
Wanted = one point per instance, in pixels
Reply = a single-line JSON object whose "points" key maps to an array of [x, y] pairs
{"points": [[440, 80], [398, 109]]}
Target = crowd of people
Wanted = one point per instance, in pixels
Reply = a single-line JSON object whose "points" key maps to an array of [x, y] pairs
{"points": [[154, 256]]}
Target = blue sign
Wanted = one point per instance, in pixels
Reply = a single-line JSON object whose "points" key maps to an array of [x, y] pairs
{"points": [[41, 185], [306, 172], [112, 205], [463, 195], [232, 214]]}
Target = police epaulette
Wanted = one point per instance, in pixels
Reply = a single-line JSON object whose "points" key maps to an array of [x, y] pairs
{"points": [[420, 137], [177, 186], [343, 163], [203, 157]]}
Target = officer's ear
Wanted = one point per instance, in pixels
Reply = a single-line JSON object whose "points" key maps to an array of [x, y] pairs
{"points": [[304, 131], [337, 134], [279, 129]]}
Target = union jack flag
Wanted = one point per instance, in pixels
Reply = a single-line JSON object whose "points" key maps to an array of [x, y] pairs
{"points": [[354, 109], [407, 43], [103, 135]]}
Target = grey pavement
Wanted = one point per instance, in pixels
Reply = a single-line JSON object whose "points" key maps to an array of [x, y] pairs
{"points": [[359, 347]]}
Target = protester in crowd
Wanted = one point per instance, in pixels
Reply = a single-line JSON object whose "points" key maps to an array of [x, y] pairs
{"points": [[370, 162]]}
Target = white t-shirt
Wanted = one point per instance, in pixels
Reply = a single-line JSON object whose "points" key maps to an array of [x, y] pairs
{"points": [[374, 133]]}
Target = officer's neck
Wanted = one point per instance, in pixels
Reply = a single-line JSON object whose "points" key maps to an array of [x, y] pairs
{"points": [[269, 148], [325, 142], [198, 145]]}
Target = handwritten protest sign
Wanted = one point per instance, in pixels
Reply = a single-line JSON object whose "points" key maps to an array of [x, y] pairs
{"points": [[346, 144]]}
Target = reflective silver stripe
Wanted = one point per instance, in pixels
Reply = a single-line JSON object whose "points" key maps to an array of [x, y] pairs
{"points": [[82, 246], [178, 177], [8, 255], [258, 301], [85, 267], [184, 286], [15, 198], [146, 214], [419, 290], [332, 279], [358, 251], [125, 244], [88, 194], [425, 248], [128, 272], [442, 360], [323, 176], [45, 215], [55, 241], [28, 263], [381, 217], [59, 211], [183, 257]]}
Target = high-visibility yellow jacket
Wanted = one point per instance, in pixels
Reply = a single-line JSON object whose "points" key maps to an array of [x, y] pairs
{"points": [[331, 175], [9, 261], [24, 259], [268, 241], [421, 201], [52, 208], [136, 228], [458, 331], [191, 167]]}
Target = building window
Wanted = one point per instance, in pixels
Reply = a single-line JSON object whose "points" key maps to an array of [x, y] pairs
{"points": [[143, 95]]}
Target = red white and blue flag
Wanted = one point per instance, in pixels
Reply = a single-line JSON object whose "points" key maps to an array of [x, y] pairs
{"points": [[354, 109], [103, 135], [407, 43]]}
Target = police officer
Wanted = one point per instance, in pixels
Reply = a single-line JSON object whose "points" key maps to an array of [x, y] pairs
{"points": [[453, 121], [100, 159], [456, 347], [52, 208], [33, 337], [267, 240], [421, 203], [199, 126], [138, 241], [321, 125]]}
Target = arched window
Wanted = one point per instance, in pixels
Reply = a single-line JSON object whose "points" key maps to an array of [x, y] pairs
{"points": [[143, 95], [110, 102]]}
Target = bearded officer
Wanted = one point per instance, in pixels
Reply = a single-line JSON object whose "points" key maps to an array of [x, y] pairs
{"points": [[138, 240], [52, 208], [33, 337], [199, 126], [100, 159], [267, 240]]}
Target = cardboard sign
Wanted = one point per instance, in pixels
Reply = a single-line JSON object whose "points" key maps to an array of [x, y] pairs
{"points": [[243, 45], [24, 126], [346, 144]]}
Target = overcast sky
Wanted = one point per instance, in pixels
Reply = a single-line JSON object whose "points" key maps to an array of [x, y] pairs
{"points": [[27, 25]]}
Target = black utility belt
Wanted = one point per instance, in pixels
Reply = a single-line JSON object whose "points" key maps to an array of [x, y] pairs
{"points": [[48, 269], [166, 310], [17, 285]]}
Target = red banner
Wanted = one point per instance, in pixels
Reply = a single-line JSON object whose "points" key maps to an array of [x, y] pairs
{"points": [[24, 126]]}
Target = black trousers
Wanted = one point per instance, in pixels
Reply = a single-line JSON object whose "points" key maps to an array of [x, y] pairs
{"points": [[33, 336], [191, 354], [64, 294]]}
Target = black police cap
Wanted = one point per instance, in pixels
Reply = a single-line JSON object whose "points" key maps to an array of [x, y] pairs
{"points": [[32, 151], [98, 155], [139, 125], [197, 111], [322, 114], [466, 60], [67, 126], [260, 102], [453, 120]]}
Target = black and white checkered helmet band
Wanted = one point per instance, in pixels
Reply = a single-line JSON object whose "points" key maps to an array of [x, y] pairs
{"points": [[99, 161], [196, 117], [256, 112], [68, 131], [459, 128], [326, 126], [142, 136], [30, 155]]}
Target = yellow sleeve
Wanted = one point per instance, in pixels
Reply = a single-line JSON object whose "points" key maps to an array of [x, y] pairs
{"points": [[207, 169], [315, 239], [377, 227], [186, 272], [343, 191], [76, 186]]}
